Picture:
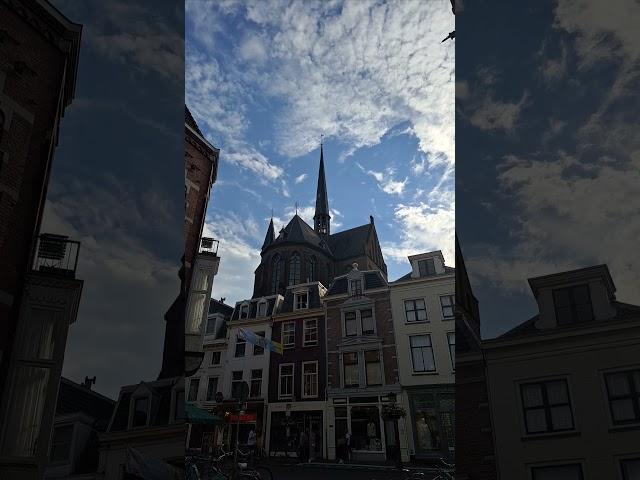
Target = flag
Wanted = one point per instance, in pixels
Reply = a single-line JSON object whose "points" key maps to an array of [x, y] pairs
{"points": [[263, 342]]}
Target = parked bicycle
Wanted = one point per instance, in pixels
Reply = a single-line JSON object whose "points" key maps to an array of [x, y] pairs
{"points": [[445, 471], [205, 467]]}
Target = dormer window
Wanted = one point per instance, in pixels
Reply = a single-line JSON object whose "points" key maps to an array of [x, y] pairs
{"points": [[426, 267], [262, 309], [355, 286], [572, 304], [244, 311], [301, 300], [140, 412]]}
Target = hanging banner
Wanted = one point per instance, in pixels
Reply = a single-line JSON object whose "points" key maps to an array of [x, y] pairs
{"points": [[260, 341]]}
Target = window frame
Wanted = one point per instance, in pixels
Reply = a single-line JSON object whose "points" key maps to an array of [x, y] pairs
{"points": [[253, 351], [357, 364], [236, 381], [292, 333], [373, 321], [294, 269], [253, 379], [316, 374], [546, 407], [206, 396], [533, 468], [213, 355], [433, 356], [426, 261], [621, 464], [572, 304], [366, 373], [452, 306], [240, 342], [452, 354], [261, 304], [355, 287], [53, 443], [415, 310], [293, 380], [634, 396], [296, 297], [355, 322], [311, 343], [188, 397]]}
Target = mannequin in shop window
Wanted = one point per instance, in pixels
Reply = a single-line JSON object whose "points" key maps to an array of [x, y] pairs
{"points": [[372, 434]]}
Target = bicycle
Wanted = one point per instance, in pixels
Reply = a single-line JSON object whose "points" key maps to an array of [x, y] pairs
{"points": [[248, 468], [446, 471]]}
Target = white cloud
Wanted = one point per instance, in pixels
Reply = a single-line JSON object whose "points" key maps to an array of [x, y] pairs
{"points": [[491, 114], [301, 178], [255, 162], [253, 49], [386, 182]]}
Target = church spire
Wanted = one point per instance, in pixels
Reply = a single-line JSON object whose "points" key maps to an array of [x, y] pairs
{"points": [[322, 219], [271, 235]]}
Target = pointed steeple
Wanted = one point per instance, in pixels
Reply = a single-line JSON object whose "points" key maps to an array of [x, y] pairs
{"points": [[322, 219], [271, 235]]}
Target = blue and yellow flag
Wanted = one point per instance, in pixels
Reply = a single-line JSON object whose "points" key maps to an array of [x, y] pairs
{"points": [[255, 339]]}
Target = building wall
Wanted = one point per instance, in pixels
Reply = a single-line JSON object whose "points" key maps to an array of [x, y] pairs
{"points": [[581, 359], [429, 289]]}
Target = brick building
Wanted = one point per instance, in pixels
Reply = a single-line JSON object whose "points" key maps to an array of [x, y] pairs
{"points": [[39, 294], [362, 369]]}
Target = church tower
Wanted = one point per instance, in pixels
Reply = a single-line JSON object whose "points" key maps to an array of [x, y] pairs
{"points": [[322, 219]]}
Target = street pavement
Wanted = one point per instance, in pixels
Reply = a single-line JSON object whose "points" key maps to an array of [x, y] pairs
{"points": [[299, 472]]}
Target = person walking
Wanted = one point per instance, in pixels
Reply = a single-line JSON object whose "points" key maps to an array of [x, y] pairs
{"points": [[251, 442], [347, 445]]}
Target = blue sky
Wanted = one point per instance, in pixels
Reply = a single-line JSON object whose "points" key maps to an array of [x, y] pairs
{"points": [[265, 79], [548, 153]]}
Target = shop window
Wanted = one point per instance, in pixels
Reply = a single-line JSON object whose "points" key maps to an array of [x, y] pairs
{"points": [[365, 428], [194, 386], [422, 353], [309, 379], [310, 332], [61, 443], [241, 345], [288, 335], [415, 310], [285, 384], [546, 406], [623, 391], [366, 319], [447, 303], [350, 324], [212, 388], [553, 472], [373, 367], [256, 383], [350, 367], [257, 349], [236, 384]]}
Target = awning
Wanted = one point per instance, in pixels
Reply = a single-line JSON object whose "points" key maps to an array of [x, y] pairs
{"points": [[199, 415]]}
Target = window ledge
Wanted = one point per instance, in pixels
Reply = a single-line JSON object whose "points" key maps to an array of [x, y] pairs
{"points": [[417, 322], [311, 345], [548, 435], [624, 428], [435, 372]]}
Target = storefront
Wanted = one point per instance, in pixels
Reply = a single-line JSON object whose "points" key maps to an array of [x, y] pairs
{"points": [[251, 418], [432, 417], [358, 422], [287, 421]]}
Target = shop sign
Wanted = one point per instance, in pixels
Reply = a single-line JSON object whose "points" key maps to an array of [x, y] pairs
{"points": [[245, 417]]}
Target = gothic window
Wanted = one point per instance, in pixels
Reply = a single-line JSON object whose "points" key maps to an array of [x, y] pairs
{"points": [[311, 269], [294, 269], [276, 273]]}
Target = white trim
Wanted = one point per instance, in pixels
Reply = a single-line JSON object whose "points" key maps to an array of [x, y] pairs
{"points": [[317, 375], [453, 305], [206, 391], [426, 310], [304, 332], [296, 296], [293, 380], [433, 354], [605, 391], [288, 345]]}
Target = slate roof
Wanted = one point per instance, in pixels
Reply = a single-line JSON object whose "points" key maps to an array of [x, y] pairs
{"points": [[349, 243], [624, 311], [216, 306], [189, 120], [447, 271], [270, 236], [253, 308], [372, 279], [75, 398], [315, 301], [297, 231]]}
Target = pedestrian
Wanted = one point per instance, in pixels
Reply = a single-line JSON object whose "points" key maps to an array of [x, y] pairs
{"points": [[347, 445], [304, 440], [251, 442]]}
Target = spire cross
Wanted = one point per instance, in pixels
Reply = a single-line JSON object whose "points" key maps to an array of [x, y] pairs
{"points": [[321, 138]]}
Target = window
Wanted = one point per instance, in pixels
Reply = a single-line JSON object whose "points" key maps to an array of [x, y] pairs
{"points": [[294, 269], [350, 366], [558, 472], [276, 273], [447, 303], [256, 383], [141, 411], [61, 443], [211, 326], [311, 269], [262, 309], [178, 407], [310, 332], [212, 388], [350, 324], [244, 311], [301, 300], [309, 379], [572, 304], [373, 367], [215, 358], [240, 346], [257, 349], [623, 390], [451, 340], [356, 288], [426, 267], [365, 428], [366, 319], [288, 335], [194, 386], [546, 406], [236, 384], [422, 353], [415, 310], [630, 469], [286, 380]]}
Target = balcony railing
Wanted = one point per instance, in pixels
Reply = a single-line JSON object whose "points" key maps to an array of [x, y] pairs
{"points": [[56, 254], [209, 245]]}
